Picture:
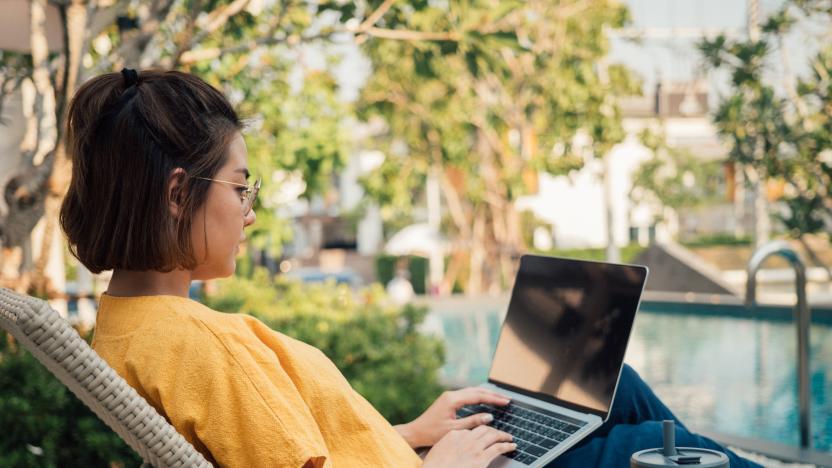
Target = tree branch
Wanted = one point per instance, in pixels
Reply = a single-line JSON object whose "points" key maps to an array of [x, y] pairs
{"points": [[376, 15], [185, 38], [220, 16], [99, 19], [134, 43], [365, 29], [43, 110], [410, 35], [217, 19], [193, 56]]}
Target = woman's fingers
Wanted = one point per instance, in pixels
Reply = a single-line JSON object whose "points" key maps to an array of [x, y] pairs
{"points": [[484, 437], [480, 431], [492, 436], [475, 420], [474, 395], [469, 448], [489, 396], [498, 449]]}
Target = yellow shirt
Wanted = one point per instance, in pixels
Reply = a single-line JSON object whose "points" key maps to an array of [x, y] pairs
{"points": [[241, 393]]}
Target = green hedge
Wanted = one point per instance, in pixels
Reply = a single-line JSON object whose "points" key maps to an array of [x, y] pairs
{"points": [[374, 344], [628, 253], [718, 239], [45, 425], [416, 265]]}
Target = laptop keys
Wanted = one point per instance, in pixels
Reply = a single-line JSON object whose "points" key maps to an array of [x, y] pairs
{"points": [[525, 458], [548, 443], [535, 431]]}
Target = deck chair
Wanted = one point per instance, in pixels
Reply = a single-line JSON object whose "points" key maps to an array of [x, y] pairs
{"points": [[58, 346]]}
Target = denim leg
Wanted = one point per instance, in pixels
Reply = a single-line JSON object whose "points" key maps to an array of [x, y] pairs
{"points": [[615, 448], [634, 424], [635, 403]]}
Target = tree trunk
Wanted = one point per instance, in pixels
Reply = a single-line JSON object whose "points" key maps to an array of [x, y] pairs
{"points": [[762, 223], [512, 248], [455, 266], [461, 219], [613, 255], [25, 190], [75, 23], [477, 259]]}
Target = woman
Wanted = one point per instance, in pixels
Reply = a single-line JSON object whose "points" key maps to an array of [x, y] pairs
{"points": [[160, 195]]}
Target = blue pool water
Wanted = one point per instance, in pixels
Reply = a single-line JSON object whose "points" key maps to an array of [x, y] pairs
{"points": [[717, 369]]}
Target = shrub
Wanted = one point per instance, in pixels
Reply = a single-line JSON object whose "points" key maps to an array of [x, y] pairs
{"points": [[718, 239], [44, 424], [628, 253], [417, 267], [374, 344]]}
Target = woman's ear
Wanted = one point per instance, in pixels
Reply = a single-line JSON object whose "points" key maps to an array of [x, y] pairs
{"points": [[176, 184]]}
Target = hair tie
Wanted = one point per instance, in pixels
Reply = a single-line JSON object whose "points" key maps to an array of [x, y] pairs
{"points": [[131, 77]]}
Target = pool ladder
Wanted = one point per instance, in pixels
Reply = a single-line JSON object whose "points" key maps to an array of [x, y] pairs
{"points": [[803, 314]]}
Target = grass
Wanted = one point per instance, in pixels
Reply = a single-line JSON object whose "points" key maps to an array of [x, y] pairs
{"points": [[628, 253]]}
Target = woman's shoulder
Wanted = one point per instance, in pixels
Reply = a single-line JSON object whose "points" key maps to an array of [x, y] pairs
{"points": [[233, 331], [162, 323], [188, 320], [238, 329], [159, 327]]}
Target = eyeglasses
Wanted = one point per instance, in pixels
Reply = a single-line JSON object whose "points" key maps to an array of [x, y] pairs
{"points": [[247, 196]]}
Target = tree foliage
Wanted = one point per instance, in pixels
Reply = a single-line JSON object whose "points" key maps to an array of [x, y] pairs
{"points": [[485, 106], [673, 177], [778, 124], [248, 48]]}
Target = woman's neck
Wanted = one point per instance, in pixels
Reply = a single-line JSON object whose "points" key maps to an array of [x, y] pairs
{"points": [[149, 283]]}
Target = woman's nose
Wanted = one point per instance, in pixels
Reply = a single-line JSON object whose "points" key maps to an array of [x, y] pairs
{"points": [[249, 218]]}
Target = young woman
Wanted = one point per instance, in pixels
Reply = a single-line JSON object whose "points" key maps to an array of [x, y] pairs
{"points": [[160, 194]]}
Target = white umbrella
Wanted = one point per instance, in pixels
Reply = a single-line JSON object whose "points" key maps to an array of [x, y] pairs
{"points": [[419, 239]]}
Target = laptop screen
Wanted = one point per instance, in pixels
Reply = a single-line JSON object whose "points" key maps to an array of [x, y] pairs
{"points": [[566, 330]]}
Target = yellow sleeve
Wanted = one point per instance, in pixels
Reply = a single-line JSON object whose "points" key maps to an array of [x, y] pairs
{"points": [[217, 393]]}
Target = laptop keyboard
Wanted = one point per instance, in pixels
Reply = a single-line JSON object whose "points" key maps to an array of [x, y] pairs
{"points": [[535, 431]]}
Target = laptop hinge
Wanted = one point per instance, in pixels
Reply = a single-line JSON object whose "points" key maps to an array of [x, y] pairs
{"points": [[550, 399]]}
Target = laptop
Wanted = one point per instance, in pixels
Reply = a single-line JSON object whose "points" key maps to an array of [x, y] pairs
{"points": [[560, 353]]}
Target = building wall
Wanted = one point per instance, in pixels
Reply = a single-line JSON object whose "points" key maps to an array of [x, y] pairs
{"points": [[574, 205]]}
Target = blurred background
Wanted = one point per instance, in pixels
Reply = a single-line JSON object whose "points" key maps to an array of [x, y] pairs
{"points": [[411, 151]]}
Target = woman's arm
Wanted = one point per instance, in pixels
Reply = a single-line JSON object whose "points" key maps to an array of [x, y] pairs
{"points": [[440, 418]]}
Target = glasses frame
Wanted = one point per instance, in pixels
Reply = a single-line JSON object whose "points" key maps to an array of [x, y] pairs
{"points": [[248, 197]]}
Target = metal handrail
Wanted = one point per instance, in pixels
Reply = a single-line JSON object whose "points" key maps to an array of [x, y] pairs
{"points": [[803, 319]]}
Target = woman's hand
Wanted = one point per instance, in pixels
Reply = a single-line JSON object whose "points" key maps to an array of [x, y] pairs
{"points": [[440, 418], [469, 448]]}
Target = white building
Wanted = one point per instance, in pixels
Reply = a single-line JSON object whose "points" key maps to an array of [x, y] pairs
{"points": [[575, 205]]}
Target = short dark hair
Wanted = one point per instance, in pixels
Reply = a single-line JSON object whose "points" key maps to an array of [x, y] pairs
{"points": [[125, 138]]}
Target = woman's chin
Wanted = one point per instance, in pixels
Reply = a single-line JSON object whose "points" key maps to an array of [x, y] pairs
{"points": [[228, 269], [216, 272]]}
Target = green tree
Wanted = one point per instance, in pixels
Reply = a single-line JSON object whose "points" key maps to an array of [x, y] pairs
{"points": [[673, 177], [498, 95], [248, 48], [291, 132], [775, 124]]}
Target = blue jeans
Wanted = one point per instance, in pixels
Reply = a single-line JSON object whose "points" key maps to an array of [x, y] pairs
{"points": [[634, 424]]}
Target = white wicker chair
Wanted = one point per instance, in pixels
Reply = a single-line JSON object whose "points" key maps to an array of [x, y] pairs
{"points": [[58, 346]]}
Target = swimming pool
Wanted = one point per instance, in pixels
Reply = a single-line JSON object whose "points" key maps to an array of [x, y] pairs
{"points": [[716, 367]]}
